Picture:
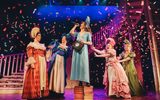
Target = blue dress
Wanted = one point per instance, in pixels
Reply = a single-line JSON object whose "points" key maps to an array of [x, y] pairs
{"points": [[58, 51], [80, 62]]}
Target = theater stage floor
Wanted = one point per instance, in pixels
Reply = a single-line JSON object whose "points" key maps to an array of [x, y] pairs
{"points": [[99, 94]]}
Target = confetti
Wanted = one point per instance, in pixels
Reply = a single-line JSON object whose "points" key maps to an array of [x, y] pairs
{"points": [[20, 24], [20, 11], [4, 29]]}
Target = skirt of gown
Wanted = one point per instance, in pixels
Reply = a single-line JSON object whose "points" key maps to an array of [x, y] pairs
{"points": [[116, 80], [57, 78]]}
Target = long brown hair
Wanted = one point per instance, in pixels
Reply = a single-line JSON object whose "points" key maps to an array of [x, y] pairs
{"points": [[87, 29]]}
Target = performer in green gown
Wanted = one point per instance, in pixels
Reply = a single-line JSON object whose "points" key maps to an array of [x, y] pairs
{"points": [[127, 60]]}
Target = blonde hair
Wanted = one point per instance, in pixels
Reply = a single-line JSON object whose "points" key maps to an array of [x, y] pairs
{"points": [[34, 32]]}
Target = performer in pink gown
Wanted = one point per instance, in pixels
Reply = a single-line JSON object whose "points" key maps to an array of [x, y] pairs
{"points": [[115, 79]]}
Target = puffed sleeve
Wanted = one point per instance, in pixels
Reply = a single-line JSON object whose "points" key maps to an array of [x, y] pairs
{"points": [[31, 59], [132, 55], [112, 52], [75, 34]]}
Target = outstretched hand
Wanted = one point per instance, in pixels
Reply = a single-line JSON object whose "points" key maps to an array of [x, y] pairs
{"points": [[95, 54], [50, 47], [118, 58], [93, 48], [62, 46]]}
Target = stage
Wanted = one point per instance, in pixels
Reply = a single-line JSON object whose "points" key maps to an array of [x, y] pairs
{"points": [[99, 94], [136, 21]]}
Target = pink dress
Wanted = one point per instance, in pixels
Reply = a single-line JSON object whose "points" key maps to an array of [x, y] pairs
{"points": [[115, 79]]}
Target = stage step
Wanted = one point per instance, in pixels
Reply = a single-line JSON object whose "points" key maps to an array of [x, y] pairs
{"points": [[21, 73], [14, 77], [11, 80], [12, 84], [11, 91]]}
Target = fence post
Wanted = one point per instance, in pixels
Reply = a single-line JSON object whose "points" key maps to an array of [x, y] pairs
{"points": [[13, 60], [4, 68], [21, 61], [1, 64], [9, 65], [17, 58]]}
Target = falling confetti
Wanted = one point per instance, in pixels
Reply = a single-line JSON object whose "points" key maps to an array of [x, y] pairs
{"points": [[34, 11], [4, 29], [20, 11], [23, 19]]}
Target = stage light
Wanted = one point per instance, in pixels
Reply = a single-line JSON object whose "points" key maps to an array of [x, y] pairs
{"points": [[103, 2], [50, 2], [80, 12], [80, 2], [95, 2]]}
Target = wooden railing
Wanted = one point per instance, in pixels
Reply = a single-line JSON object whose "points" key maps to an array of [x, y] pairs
{"points": [[10, 64], [111, 29], [127, 11]]}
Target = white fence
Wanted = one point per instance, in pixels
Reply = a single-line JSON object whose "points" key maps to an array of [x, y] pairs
{"points": [[10, 64]]}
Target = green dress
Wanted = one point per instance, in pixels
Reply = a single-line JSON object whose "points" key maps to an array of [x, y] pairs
{"points": [[134, 83]]}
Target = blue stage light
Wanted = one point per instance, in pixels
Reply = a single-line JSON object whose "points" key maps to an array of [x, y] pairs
{"points": [[104, 2], [80, 2], [79, 12]]}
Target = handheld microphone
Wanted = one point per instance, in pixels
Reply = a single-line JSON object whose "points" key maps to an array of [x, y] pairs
{"points": [[77, 24]]}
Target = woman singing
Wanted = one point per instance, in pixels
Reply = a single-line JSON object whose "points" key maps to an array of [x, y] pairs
{"points": [[80, 61]]}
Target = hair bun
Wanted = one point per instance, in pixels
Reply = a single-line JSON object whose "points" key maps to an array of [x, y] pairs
{"points": [[35, 31], [111, 41]]}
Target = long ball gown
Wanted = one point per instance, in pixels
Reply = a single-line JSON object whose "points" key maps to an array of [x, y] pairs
{"points": [[58, 70], [36, 77], [80, 61], [134, 83], [115, 79]]}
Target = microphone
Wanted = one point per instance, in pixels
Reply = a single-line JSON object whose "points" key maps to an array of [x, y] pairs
{"points": [[77, 24]]}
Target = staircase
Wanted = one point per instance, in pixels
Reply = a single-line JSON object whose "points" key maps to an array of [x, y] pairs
{"points": [[11, 67], [121, 27], [126, 19], [12, 84], [134, 11]]}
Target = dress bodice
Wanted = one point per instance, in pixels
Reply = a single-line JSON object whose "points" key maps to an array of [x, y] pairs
{"points": [[86, 36], [112, 56]]}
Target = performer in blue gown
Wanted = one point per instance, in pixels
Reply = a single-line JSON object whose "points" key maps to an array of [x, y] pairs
{"points": [[57, 66], [80, 61]]}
